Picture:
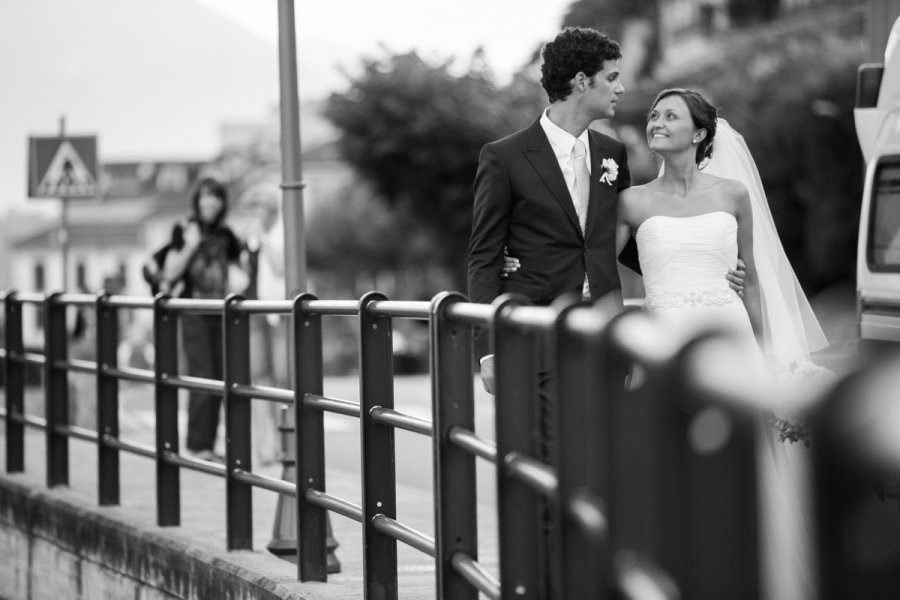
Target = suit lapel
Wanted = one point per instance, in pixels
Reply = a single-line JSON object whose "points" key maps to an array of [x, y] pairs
{"points": [[600, 192], [543, 159]]}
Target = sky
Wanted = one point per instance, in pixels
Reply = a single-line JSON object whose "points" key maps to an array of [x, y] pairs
{"points": [[156, 80], [339, 30]]}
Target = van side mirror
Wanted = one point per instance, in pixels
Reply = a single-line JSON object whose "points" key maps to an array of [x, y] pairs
{"points": [[868, 84]]}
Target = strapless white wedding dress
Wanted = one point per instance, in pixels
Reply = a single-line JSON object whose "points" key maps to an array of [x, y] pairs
{"points": [[685, 261]]}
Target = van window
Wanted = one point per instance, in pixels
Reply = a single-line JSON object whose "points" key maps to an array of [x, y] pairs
{"points": [[884, 222], [868, 84]]}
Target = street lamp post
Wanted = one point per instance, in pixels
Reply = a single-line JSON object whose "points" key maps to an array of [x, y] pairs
{"points": [[291, 166], [284, 540]]}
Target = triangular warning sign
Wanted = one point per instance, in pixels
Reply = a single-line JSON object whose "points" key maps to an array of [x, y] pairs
{"points": [[67, 175]]}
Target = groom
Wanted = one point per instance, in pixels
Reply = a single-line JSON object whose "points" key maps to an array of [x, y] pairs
{"points": [[548, 192]]}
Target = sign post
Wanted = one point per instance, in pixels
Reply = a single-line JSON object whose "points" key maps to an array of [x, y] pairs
{"points": [[62, 167]]}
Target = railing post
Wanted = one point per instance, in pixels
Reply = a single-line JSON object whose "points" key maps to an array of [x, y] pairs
{"points": [[590, 382], [15, 385], [107, 401], [453, 406], [521, 512], [379, 489], [239, 496], [705, 487], [56, 390], [309, 442], [168, 475], [854, 480]]}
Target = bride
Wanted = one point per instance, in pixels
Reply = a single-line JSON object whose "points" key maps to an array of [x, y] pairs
{"points": [[706, 209]]}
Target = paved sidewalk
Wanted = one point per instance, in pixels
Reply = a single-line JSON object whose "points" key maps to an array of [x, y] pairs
{"points": [[203, 515]]}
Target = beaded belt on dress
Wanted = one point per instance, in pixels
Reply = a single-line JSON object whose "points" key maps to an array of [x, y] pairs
{"points": [[692, 298]]}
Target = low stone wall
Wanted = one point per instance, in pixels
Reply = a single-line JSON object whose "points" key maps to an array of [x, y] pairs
{"points": [[54, 546]]}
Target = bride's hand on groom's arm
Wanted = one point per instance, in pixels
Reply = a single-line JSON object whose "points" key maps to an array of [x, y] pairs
{"points": [[736, 277], [487, 374], [510, 264]]}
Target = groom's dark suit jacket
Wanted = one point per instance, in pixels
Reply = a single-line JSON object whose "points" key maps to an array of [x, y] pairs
{"points": [[522, 202]]}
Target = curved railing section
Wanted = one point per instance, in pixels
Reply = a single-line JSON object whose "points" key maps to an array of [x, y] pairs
{"points": [[597, 473]]}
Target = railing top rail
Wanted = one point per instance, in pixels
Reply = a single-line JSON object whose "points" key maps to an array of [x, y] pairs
{"points": [[77, 299], [400, 308], [30, 297], [531, 317], [470, 313], [637, 336], [269, 307], [117, 301], [194, 305], [330, 307]]}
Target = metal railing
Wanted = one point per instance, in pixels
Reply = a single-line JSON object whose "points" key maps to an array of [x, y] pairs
{"points": [[602, 488]]}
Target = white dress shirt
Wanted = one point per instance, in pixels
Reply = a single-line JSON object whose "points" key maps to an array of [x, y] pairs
{"points": [[563, 143]]}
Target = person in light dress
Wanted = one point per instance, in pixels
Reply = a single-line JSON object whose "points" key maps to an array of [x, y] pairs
{"points": [[705, 211]]}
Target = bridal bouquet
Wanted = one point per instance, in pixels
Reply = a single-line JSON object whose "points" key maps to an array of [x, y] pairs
{"points": [[805, 379]]}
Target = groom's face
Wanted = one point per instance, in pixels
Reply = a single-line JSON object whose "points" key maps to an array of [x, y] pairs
{"points": [[604, 89]]}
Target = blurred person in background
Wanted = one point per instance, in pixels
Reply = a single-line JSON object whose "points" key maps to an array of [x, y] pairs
{"points": [[206, 260], [258, 220]]}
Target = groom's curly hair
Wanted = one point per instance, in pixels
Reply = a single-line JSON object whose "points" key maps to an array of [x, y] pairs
{"points": [[574, 49]]}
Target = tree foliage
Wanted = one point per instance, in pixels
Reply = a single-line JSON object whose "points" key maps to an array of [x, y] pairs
{"points": [[414, 131], [790, 90], [608, 16], [804, 141], [362, 233]]}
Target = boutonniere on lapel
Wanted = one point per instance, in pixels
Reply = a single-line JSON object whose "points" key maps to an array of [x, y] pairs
{"points": [[609, 170]]}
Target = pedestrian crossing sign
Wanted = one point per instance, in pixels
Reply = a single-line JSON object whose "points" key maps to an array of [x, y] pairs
{"points": [[62, 167]]}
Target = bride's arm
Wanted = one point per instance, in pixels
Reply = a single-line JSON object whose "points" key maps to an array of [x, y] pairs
{"points": [[623, 233], [751, 296], [626, 200]]}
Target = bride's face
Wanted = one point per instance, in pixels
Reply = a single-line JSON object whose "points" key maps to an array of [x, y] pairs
{"points": [[670, 126]]}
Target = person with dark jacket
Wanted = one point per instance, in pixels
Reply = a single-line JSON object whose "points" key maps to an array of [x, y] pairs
{"points": [[205, 261]]}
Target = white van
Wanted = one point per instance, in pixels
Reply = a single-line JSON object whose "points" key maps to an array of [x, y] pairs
{"points": [[877, 116]]}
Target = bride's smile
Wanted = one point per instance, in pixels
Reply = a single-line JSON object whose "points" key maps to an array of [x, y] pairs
{"points": [[670, 127]]}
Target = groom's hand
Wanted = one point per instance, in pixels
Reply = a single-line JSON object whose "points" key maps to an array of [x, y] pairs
{"points": [[736, 277], [487, 374]]}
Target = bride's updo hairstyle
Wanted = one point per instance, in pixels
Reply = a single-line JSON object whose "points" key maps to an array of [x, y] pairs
{"points": [[703, 114]]}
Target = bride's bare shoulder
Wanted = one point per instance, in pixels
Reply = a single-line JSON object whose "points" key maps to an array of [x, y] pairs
{"points": [[633, 197], [732, 188], [734, 194], [634, 194], [631, 200]]}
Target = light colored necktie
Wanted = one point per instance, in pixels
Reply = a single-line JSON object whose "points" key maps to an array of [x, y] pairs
{"points": [[580, 197], [582, 182]]}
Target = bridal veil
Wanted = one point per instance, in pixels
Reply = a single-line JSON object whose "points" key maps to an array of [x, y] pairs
{"points": [[791, 330]]}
